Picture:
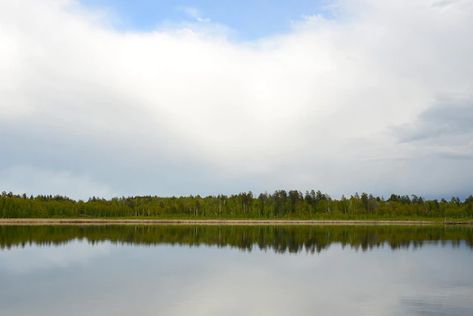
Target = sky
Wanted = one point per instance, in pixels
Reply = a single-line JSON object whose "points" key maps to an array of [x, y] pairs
{"points": [[244, 19], [111, 98]]}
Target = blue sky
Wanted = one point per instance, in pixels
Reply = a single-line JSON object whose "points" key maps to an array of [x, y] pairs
{"points": [[248, 19]]}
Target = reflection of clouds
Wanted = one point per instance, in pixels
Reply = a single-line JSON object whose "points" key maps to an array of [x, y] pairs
{"points": [[444, 301], [336, 282], [169, 280], [31, 259]]}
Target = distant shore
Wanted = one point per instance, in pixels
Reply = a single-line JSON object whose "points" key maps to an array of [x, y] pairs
{"points": [[100, 221]]}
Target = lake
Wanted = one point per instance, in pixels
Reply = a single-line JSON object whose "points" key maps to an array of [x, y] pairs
{"points": [[236, 270]]}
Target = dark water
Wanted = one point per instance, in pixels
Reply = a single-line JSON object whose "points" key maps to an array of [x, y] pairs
{"points": [[236, 270]]}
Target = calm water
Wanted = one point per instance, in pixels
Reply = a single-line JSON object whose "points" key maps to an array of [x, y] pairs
{"points": [[198, 270]]}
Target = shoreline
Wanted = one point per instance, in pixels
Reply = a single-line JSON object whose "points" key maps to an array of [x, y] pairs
{"points": [[240, 222]]}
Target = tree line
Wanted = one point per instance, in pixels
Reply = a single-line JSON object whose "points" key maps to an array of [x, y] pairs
{"points": [[281, 204]]}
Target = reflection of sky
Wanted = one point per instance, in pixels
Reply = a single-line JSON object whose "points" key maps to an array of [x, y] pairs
{"points": [[107, 279], [22, 261]]}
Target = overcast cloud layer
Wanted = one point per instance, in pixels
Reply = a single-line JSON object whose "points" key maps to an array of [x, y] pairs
{"points": [[378, 98]]}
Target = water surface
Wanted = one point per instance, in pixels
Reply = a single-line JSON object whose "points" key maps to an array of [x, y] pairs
{"points": [[236, 270]]}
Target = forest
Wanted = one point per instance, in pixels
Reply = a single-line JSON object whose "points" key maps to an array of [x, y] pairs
{"points": [[281, 204]]}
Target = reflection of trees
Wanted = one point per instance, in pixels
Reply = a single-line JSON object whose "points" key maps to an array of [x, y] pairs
{"points": [[280, 239]]}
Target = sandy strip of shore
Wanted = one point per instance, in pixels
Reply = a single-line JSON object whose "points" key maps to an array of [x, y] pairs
{"points": [[79, 221]]}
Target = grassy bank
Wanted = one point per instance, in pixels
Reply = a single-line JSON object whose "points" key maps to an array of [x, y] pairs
{"points": [[182, 221]]}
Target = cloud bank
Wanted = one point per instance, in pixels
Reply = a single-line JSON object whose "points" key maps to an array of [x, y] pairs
{"points": [[377, 98]]}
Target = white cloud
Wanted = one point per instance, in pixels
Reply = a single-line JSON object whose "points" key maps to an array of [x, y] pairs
{"points": [[183, 110], [194, 13], [32, 180]]}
